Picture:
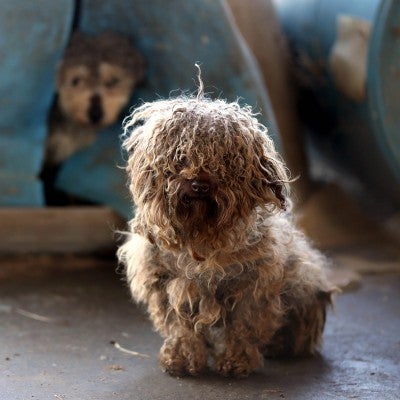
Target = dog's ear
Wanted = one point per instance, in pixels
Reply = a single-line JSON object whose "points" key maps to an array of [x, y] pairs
{"points": [[78, 39], [138, 65], [270, 177], [78, 53], [133, 132], [118, 50], [80, 48], [275, 180], [140, 174]]}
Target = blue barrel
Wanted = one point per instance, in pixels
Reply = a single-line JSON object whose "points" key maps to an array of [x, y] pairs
{"points": [[363, 131]]}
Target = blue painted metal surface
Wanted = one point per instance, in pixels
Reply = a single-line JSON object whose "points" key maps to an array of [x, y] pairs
{"points": [[384, 83], [365, 135], [97, 173], [32, 37], [172, 36]]}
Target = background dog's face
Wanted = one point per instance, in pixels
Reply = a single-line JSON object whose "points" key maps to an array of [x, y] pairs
{"points": [[94, 96], [199, 168], [96, 78]]}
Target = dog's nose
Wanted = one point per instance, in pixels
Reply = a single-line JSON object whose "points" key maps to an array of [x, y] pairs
{"points": [[95, 112], [200, 187]]}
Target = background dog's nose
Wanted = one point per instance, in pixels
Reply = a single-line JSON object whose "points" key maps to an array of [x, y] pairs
{"points": [[200, 187], [95, 112]]}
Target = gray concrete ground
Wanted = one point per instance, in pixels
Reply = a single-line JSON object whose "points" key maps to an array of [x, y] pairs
{"points": [[57, 332]]}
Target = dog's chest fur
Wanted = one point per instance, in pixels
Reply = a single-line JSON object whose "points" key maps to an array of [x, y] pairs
{"points": [[205, 292]]}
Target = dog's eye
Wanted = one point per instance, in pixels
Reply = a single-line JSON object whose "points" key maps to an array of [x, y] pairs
{"points": [[112, 82], [76, 81]]}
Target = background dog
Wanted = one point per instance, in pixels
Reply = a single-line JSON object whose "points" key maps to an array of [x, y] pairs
{"points": [[226, 277], [95, 80]]}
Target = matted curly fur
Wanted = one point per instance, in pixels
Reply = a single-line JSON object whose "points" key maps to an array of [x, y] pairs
{"points": [[212, 252]]}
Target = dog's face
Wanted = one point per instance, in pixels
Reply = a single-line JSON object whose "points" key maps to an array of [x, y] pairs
{"points": [[96, 78], [199, 168], [94, 96]]}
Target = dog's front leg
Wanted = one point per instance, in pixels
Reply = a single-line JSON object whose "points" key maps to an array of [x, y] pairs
{"points": [[183, 353], [239, 356]]}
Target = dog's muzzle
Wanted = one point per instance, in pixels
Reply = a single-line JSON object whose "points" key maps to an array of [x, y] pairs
{"points": [[196, 189], [200, 188], [95, 111]]}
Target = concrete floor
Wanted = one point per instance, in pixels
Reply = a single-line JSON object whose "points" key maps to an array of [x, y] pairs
{"points": [[57, 330]]}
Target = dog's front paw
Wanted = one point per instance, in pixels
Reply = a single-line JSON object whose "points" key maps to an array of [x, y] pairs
{"points": [[183, 356], [239, 362]]}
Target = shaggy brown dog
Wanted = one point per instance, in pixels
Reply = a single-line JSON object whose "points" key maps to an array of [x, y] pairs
{"points": [[213, 252], [95, 80]]}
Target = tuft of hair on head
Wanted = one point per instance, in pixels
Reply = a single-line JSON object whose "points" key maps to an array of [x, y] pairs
{"points": [[200, 89]]}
